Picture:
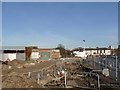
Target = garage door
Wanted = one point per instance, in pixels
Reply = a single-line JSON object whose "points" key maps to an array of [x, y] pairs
{"points": [[45, 55]]}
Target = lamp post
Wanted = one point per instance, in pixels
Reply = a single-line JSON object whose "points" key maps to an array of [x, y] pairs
{"points": [[84, 45], [116, 67]]}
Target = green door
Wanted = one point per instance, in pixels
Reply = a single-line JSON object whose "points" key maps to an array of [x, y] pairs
{"points": [[45, 55]]}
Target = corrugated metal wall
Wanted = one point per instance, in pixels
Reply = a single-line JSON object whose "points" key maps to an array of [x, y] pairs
{"points": [[1, 55], [11, 56], [20, 56], [45, 55]]}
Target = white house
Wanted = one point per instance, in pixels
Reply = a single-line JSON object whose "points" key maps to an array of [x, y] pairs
{"points": [[98, 51], [80, 54], [94, 51]]}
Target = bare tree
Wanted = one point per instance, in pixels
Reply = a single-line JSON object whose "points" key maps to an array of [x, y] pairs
{"points": [[62, 49]]}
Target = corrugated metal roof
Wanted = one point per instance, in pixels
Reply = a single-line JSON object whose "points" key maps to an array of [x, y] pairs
{"points": [[13, 47]]}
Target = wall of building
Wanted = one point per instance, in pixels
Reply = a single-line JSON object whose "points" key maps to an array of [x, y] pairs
{"points": [[107, 52], [50, 53], [1, 55], [55, 55], [45, 50], [88, 52], [98, 52], [20, 56], [35, 55], [11, 56]]}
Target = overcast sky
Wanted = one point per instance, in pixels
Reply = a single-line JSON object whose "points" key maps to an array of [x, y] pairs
{"points": [[48, 24]]}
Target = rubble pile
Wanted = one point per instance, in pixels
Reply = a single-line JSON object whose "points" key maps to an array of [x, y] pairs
{"points": [[19, 81], [16, 62]]}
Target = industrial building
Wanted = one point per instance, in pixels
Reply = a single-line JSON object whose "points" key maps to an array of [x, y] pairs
{"points": [[29, 53], [45, 54]]}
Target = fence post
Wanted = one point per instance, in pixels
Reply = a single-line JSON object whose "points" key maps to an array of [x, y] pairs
{"points": [[38, 78], [65, 79], [94, 60], [80, 61], [110, 65], [29, 74], [119, 65], [98, 81], [113, 64]]}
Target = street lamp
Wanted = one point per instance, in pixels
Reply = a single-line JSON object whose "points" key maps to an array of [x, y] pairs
{"points": [[84, 45], [116, 67]]}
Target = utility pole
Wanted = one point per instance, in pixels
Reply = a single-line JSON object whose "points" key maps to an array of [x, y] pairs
{"points": [[116, 67]]}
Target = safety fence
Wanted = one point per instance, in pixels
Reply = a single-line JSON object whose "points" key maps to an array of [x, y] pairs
{"points": [[45, 75], [111, 63], [73, 76], [86, 80]]}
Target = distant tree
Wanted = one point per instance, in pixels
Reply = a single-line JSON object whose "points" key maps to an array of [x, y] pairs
{"points": [[62, 49], [69, 53], [78, 49], [61, 46], [97, 47], [117, 52]]}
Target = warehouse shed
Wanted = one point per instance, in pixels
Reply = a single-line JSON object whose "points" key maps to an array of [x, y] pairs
{"points": [[45, 53], [13, 54]]}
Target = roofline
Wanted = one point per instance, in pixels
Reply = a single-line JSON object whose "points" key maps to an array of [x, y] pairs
{"points": [[47, 49]]}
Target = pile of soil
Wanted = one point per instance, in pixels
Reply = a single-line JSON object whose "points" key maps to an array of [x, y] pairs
{"points": [[13, 64], [16, 62], [20, 81], [4, 66]]}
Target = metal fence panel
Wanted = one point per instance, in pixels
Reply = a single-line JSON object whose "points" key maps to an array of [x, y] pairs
{"points": [[20, 56]]}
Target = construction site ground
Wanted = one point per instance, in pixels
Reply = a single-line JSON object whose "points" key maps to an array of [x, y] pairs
{"points": [[16, 77], [15, 74]]}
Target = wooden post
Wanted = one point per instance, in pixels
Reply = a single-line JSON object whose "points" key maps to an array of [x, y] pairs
{"points": [[29, 74], [38, 78]]}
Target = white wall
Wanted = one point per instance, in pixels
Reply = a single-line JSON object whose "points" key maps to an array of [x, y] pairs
{"points": [[94, 51], [11, 56], [108, 52], [88, 52], [1, 54], [35, 55], [20, 56], [91, 52]]}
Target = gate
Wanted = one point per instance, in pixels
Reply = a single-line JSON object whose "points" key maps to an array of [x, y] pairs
{"points": [[45, 55]]}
